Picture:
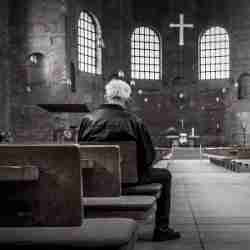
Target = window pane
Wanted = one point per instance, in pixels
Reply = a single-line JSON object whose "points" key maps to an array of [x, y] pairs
{"points": [[145, 53], [87, 55], [214, 54]]}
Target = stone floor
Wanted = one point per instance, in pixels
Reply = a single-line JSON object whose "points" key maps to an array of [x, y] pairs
{"points": [[210, 207]]}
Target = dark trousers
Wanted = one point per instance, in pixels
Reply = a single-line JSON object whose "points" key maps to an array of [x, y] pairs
{"points": [[164, 177]]}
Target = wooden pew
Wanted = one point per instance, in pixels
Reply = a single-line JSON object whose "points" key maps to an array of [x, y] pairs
{"points": [[221, 156], [138, 207], [44, 182], [127, 158], [241, 162], [234, 158], [102, 170], [41, 202], [128, 166]]}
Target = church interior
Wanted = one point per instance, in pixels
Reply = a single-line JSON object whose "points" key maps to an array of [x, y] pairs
{"points": [[201, 85], [188, 64]]}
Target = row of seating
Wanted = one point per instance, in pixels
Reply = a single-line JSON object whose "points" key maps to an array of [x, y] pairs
{"points": [[241, 163], [232, 158], [60, 185], [43, 206], [122, 197]]}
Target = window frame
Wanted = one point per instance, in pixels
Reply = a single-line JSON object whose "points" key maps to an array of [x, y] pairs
{"points": [[148, 43], [98, 49], [212, 74]]}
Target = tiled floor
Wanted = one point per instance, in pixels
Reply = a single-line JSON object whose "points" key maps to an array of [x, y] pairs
{"points": [[210, 207]]}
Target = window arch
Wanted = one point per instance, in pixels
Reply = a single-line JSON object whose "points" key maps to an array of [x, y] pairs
{"points": [[145, 54], [214, 54], [89, 44]]}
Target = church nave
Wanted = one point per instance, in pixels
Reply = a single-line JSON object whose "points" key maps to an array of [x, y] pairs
{"points": [[210, 207]]}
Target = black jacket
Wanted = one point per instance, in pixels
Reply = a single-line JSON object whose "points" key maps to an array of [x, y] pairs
{"points": [[111, 122]]}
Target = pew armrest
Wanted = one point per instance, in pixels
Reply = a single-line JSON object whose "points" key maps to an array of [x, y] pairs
{"points": [[19, 173]]}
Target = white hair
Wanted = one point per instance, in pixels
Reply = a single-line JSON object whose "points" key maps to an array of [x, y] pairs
{"points": [[117, 88]]}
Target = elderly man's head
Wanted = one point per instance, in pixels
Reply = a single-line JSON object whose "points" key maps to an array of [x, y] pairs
{"points": [[117, 91]]}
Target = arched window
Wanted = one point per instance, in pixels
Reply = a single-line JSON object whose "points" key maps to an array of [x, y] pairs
{"points": [[89, 44], [214, 54], [145, 54]]}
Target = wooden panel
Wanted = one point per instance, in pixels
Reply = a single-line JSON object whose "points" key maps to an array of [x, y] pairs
{"points": [[101, 170], [19, 173], [128, 162], [52, 200], [128, 159]]}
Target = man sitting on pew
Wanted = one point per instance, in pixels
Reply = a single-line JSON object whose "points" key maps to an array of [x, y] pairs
{"points": [[113, 122]]}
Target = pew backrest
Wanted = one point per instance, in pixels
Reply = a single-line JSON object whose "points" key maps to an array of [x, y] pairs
{"points": [[40, 185], [243, 153], [128, 159], [221, 152], [102, 172], [128, 162]]}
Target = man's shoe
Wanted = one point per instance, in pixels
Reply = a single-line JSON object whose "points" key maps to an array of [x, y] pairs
{"points": [[164, 234]]}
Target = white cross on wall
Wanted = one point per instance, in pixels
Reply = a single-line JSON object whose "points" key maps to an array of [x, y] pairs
{"points": [[181, 27]]}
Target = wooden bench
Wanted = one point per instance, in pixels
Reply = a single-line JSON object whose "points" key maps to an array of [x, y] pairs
{"points": [[114, 203], [241, 163], [128, 169], [127, 158], [48, 191], [41, 202], [221, 156], [233, 158], [102, 172]]}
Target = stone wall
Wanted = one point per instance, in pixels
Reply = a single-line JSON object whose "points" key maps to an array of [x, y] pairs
{"points": [[4, 67], [37, 28]]}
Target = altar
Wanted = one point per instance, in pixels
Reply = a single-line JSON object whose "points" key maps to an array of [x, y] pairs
{"points": [[183, 139]]}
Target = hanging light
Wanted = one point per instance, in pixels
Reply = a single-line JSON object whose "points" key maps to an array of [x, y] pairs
{"points": [[140, 92], [28, 88], [181, 95], [236, 84], [33, 59], [121, 73]]}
